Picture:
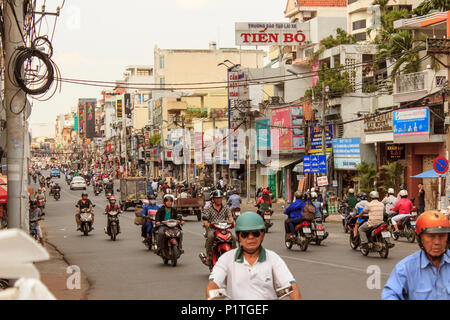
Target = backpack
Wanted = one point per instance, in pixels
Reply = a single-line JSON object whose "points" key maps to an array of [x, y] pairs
{"points": [[309, 212]]}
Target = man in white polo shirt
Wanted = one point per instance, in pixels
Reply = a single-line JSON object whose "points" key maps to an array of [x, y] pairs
{"points": [[251, 272]]}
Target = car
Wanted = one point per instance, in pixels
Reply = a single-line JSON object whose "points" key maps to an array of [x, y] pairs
{"points": [[55, 173], [78, 183]]}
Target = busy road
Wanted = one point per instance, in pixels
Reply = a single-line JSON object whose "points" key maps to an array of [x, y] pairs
{"points": [[125, 269]]}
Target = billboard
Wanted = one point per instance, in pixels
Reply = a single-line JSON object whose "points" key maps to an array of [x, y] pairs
{"points": [[281, 134], [90, 118], [316, 138], [410, 122], [271, 33]]}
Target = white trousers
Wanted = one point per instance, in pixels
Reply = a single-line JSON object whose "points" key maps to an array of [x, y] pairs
{"points": [[399, 217]]}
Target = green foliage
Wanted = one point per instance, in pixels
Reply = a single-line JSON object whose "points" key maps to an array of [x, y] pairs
{"points": [[193, 114], [342, 37], [429, 5], [366, 177], [155, 140], [370, 87], [392, 175], [337, 80]]}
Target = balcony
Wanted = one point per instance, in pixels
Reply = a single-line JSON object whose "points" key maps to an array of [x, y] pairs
{"points": [[413, 86]]}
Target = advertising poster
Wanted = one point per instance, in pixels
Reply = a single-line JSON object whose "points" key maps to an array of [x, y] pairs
{"points": [[281, 134]]}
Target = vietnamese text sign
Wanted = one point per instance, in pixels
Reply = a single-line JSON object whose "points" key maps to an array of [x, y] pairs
{"points": [[322, 181], [298, 129], [378, 123], [315, 164], [395, 152], [270, 33], [347, 163], [348, 147], [281, 134], [263, 134], [414, 121], [316, 138]]}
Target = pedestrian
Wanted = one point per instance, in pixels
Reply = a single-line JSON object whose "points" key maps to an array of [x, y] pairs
{"points": [[421, 198], [424, 275], [251, 272]]}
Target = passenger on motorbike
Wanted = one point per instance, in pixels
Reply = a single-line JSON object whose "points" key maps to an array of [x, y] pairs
{"points": [[112, 206], [148, 225], [359, 207], [166, 212], [375, 210], [294, 213], [351, 200], [215, 213], [389, 202], [404, 208], [84, 203], [234, 201], [317, 205]]}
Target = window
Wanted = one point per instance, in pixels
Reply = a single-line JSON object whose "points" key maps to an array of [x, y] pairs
{"points": [[162, 81], [161, 62], [360, 36], [360, 24], [143, 72]]}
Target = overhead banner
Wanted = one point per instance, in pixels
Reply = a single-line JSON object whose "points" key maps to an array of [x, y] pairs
{"points": [[271, 33]]}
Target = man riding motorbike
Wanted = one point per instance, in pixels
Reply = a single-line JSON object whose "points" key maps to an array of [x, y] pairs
{"points": [[84, 203], [166, 212], [109, 187], [148, 225], [112, 206], [234, 201], [424, 275], [375, 209], [351, 200], [404, 208], [294, 213], [389, 202], [265, 202], [213, 214]]}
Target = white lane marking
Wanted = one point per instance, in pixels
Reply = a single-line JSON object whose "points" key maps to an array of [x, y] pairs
{"points": [[330, 264]]}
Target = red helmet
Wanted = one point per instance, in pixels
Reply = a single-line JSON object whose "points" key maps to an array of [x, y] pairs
{"points": [[265, 191], [112, 198]]}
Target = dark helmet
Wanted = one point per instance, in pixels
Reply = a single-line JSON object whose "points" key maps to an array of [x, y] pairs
{"points": [[402, 187], [151, 197], [363, 196], [33, 203], [216, 194], [84, 194]]}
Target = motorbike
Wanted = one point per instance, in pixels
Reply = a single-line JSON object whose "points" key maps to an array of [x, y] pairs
{"points": [[88, 182], [318, 231], [223, 241], [379, 241], [406, 227], [343, 210], [34, 178], [97, 189], [236, 212], [86, 221], [171, 250], [41, 202], [57, 195], [150, 240], [108, 193], [113, 223], [267, 216], [303, 235]]}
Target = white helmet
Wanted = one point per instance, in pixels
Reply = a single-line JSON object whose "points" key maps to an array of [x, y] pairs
{"points": [[351, 190], [403, 193], [313, 195], [391, 191], [374, 195], [312, 190]]}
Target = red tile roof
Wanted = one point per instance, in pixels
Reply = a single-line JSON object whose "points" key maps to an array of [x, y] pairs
{"points": [[322, 3]]}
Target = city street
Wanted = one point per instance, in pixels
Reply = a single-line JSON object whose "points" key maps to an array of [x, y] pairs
{"points": [[125, 269]]}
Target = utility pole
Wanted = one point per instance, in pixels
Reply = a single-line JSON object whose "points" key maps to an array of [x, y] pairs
{"points": [[248, 144], [324, 104], [162, 151], [213, 115], [15, 100]]}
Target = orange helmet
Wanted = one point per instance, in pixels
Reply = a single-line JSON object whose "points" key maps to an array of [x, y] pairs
{"points": [[112, 198], [432, 222]]}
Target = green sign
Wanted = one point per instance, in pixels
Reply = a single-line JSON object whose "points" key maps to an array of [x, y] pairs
{"points": [[76, 122]]}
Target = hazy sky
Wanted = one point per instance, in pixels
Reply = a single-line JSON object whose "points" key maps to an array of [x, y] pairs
{"points": [[96, 39]]}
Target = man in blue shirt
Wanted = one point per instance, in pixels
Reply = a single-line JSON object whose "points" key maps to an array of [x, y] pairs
{"points": [[294, 213], [148, 225], [424, 275]]}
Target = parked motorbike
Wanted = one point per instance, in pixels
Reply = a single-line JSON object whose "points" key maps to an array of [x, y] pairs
{"points": [[113, 223], [303, 235], [222, 243], [86, 221], [171, 250], [406, 227], [318, 231], [56, 195], [150, 240]]}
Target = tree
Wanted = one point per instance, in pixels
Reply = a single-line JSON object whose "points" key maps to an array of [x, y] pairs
{"points": [[391, 175], [155, 140], [342, 37], [431, 5], [366, 176]]}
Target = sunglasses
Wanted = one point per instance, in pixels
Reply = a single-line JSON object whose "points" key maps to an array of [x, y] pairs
{"points": [[245, 234]]}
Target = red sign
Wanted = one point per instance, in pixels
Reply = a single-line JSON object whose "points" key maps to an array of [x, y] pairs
{"points": [[440, 165]]}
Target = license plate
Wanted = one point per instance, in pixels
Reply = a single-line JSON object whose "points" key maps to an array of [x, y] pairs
{"points": [[267, 216], [306, 230], [413, 223], [238, 213], [386, 234], [320, 233]]}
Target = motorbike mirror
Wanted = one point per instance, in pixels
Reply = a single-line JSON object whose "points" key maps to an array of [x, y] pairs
{"points": [[118, 190], [94, 205]]}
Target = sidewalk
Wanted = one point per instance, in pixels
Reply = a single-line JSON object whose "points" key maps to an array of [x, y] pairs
{"points": [[54, 275]]}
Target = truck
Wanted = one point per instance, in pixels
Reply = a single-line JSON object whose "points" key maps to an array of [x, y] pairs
{"points": [[190, 206], [132, 191]]}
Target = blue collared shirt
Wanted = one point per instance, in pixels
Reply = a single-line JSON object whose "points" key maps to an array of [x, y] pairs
{"points": [[416, 278]]}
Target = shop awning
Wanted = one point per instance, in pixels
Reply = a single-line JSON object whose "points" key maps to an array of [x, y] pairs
{"points": [[283, 162], [430, 174]]}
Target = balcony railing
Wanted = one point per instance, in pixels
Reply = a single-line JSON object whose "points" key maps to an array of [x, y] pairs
{"points": [[410, 82]]}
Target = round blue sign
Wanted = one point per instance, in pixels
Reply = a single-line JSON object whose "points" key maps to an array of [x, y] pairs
{"points": [[440, 165]]}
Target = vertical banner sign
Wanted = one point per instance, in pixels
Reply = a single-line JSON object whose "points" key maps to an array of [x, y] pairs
{"points": [[119, 110], [298, 128], [90, 119], [316, 138], [127, 99], [81, 120], [75, 126], [281, 133], [263, 134]]}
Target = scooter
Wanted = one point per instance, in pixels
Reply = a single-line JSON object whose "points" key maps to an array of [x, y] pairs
{"points": [[379, 241], [171, 250], [267, 216], [113, 223], [86, 221], [223, 241], [406, 227], [318, 231], [303, 235], [56, 195]]}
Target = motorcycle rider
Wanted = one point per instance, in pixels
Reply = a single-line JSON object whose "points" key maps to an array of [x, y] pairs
{"points": [[389, 202], [361, 205], [375, 210], [265, 202], [234, 201], [56, 188], [84, 203], [424, 275], [148, 225], [351, 200], [402, 187], [294, 213], [109, 186], [215, 213], [166, 212], [112, 206], [404, 208], [317, 204], [250, 271]]}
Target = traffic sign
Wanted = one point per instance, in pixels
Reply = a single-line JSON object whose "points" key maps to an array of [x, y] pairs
{"points": [[315, 164], [440, 165]]}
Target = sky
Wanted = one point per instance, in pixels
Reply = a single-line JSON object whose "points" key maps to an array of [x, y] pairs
{"points": [[97, 39]]}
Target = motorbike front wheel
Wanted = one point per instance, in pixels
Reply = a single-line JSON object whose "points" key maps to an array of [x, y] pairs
{"points": [[385, 251], [86, 229], [113, 232], [410, 235]]}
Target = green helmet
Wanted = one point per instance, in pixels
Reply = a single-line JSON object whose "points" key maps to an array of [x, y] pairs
{"points": [[249, 221]]}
